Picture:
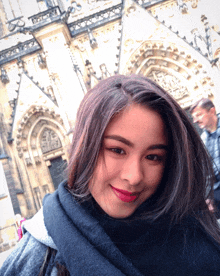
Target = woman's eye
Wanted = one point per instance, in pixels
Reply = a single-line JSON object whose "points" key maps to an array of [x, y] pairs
{"points": [[117, 150], [153, 157]]}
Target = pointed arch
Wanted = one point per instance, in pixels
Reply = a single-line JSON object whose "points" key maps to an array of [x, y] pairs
{"points": [[165, 61], [29, 127]]}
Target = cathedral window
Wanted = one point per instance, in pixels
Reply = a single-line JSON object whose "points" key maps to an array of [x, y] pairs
{"points": [[49, 141]]}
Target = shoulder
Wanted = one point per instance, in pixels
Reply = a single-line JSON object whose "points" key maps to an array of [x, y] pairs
{"points": [[29, 254], [26, 258], [37, 229], [218, 115], [204, 136]]}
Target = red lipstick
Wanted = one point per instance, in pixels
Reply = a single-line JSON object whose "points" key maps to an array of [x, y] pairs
{"points": [[124, 195]]}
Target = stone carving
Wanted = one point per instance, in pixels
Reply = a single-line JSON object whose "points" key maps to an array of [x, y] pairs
{"points": [[170, 83], [33, 146], [15, 23], [28, 161], [41, 61], [4, 76], [194, 4], [104, 70], [37, 159], [182, 6], [49, 141], [50, 92]]}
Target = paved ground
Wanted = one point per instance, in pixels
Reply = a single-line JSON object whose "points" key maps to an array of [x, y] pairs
{"points": [[4, 255]]}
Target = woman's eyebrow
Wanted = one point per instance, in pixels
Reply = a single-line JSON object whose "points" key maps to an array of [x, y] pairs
{"points": [[120, 139], [159, 146], [130, 144]]}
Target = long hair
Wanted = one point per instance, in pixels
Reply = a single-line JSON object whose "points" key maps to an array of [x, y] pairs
{"points": [[188, 172]]}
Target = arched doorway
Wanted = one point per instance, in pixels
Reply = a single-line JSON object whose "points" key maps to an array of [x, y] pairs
{"points": [[50, 142]]}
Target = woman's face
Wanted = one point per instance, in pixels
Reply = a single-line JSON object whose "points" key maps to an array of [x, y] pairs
{"points": [[131, 162]]}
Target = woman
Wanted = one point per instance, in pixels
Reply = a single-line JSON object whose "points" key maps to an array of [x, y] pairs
{"points": [[134, 203]]}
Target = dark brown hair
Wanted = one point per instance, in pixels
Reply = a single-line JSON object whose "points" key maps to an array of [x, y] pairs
{"points": [[188, 172]]}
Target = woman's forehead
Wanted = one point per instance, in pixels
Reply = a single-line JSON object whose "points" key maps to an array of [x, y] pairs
{"points": [[138, 122]]}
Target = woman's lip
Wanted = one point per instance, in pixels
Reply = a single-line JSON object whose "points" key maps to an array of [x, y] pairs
{"points": [[124, 192], [125, 195]]}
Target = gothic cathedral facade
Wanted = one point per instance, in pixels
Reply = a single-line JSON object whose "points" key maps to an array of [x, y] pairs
{"points": [[53, 51]]}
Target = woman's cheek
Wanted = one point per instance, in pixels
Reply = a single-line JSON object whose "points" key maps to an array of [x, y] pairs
{"points": [[113, 166]]}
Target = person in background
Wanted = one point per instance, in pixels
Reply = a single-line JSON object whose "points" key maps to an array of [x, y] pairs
{"points": [[204, 114], [134, 201], [19, 220]]}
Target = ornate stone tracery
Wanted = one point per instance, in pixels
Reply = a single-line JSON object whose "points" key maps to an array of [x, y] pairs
{"points": [[49, 140], [170, 83], [28, 132], [172, 68]]}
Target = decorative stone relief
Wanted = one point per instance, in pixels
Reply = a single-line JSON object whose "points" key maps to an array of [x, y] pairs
{"points": [[25, 148], [104, 71], [37, 159], [28, 161], [151, 62], [194, 4], [24, 136], [50, 92], [43, 122], [49, 141], [33, 146], [170, 83], [129, 8], [20, 154]]}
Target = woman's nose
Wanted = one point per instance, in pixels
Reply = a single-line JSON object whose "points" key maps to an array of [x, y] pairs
{"points": [[132, 171]]}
